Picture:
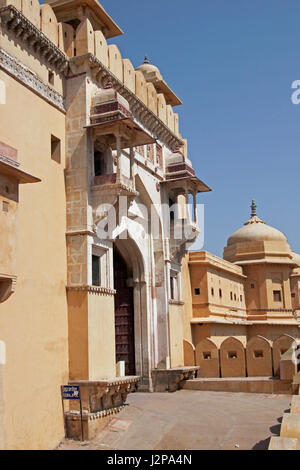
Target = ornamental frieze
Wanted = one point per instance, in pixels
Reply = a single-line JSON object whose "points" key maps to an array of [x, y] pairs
{"points": [[23, 74]]}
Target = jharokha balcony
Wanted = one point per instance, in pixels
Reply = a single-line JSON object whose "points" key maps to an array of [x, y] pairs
{"points": [[113, 181]]}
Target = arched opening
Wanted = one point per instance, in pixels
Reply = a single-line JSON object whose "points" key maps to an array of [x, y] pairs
{"points": [[133, 252], [124, 314]]}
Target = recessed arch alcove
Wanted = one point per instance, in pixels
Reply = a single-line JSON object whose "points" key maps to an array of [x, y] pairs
{"points": [[128, 251]]}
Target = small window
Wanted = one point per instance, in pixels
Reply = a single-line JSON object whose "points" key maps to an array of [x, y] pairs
{"points": [[207, 356], [51, 77], [241, 298], [235, 297], [174, 286], [5, 206], [96, 270], [293, 295], [55, 149], [258, 354], [220, 293], [197, 291], [232, 355], [231, 296], [212, 291], [172, 209], [277, 295], [252, 286]]}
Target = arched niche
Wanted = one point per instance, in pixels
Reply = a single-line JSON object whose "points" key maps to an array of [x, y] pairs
{"points": [[188, 353], [259, 357], [132, 255], [207, 358], [232, 358]]}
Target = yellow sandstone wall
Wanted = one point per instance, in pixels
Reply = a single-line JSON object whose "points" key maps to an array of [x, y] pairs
{"points": [[102, 350], [187, 299], [8, 224], [33, 322], [91, 335], [176, 335]]}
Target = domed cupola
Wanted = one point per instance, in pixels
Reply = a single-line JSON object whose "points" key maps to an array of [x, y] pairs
{"points": [[108, 105], [150, 71], [152, 75], [256, 240]]}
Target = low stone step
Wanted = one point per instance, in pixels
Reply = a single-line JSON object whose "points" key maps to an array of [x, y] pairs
{"points": [[267, 385], [290, 426], [295, 404], [284, 443]]}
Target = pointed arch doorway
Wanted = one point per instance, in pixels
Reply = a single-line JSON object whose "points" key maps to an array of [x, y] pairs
{"points": [[124, 314]]}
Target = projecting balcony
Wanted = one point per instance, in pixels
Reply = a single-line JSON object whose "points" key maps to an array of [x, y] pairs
{"points": [[102, 180], [113, 181]]}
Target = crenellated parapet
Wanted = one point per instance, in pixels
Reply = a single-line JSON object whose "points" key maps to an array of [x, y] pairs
{"points": [[58, 32], [16, 22], [139, 109]]}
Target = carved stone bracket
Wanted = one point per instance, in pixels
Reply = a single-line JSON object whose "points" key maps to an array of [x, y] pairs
{"points": [[170, 380], [15, 21], [93, 289], [7, 286], [101, 400], [102, 395]]}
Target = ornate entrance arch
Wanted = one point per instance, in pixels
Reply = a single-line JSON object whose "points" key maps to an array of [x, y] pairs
{"points": [[124, 314], [132, 257]]}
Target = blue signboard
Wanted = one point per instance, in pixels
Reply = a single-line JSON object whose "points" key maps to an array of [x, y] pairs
{"points": [[71, 392]]}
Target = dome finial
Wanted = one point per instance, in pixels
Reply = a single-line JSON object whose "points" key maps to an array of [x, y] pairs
{"points": [[253, 209], [146, 60]]}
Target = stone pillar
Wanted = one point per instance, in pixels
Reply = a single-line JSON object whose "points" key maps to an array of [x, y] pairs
{"points": [[142, 336], [119, 160], [195, 207], [132, 166]]}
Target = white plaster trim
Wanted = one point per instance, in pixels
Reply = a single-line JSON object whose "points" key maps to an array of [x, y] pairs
{"points": [[23, 74], [2, 353]]}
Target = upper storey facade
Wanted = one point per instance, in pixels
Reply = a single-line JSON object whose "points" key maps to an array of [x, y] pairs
{"points": [[59, 33]]}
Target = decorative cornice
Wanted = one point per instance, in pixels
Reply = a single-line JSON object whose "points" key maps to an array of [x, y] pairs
{"points": [[7, 286], [93, 289], [139, 110], [277, 310], [109, 382], [86, 416], [16, 22], [24, 30], [23, 74]]}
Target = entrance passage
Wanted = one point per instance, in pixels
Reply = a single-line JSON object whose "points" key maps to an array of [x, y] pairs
{"points": [[124, 315]]}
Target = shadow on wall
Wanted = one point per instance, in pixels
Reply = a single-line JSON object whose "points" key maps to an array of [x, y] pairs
{"points": [[230, 358]]}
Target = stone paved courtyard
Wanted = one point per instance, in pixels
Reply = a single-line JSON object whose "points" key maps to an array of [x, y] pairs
{"points": [[192, 420]]}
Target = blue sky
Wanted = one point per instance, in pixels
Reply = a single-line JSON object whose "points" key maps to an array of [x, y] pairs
{"points": [[232, 64]]}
